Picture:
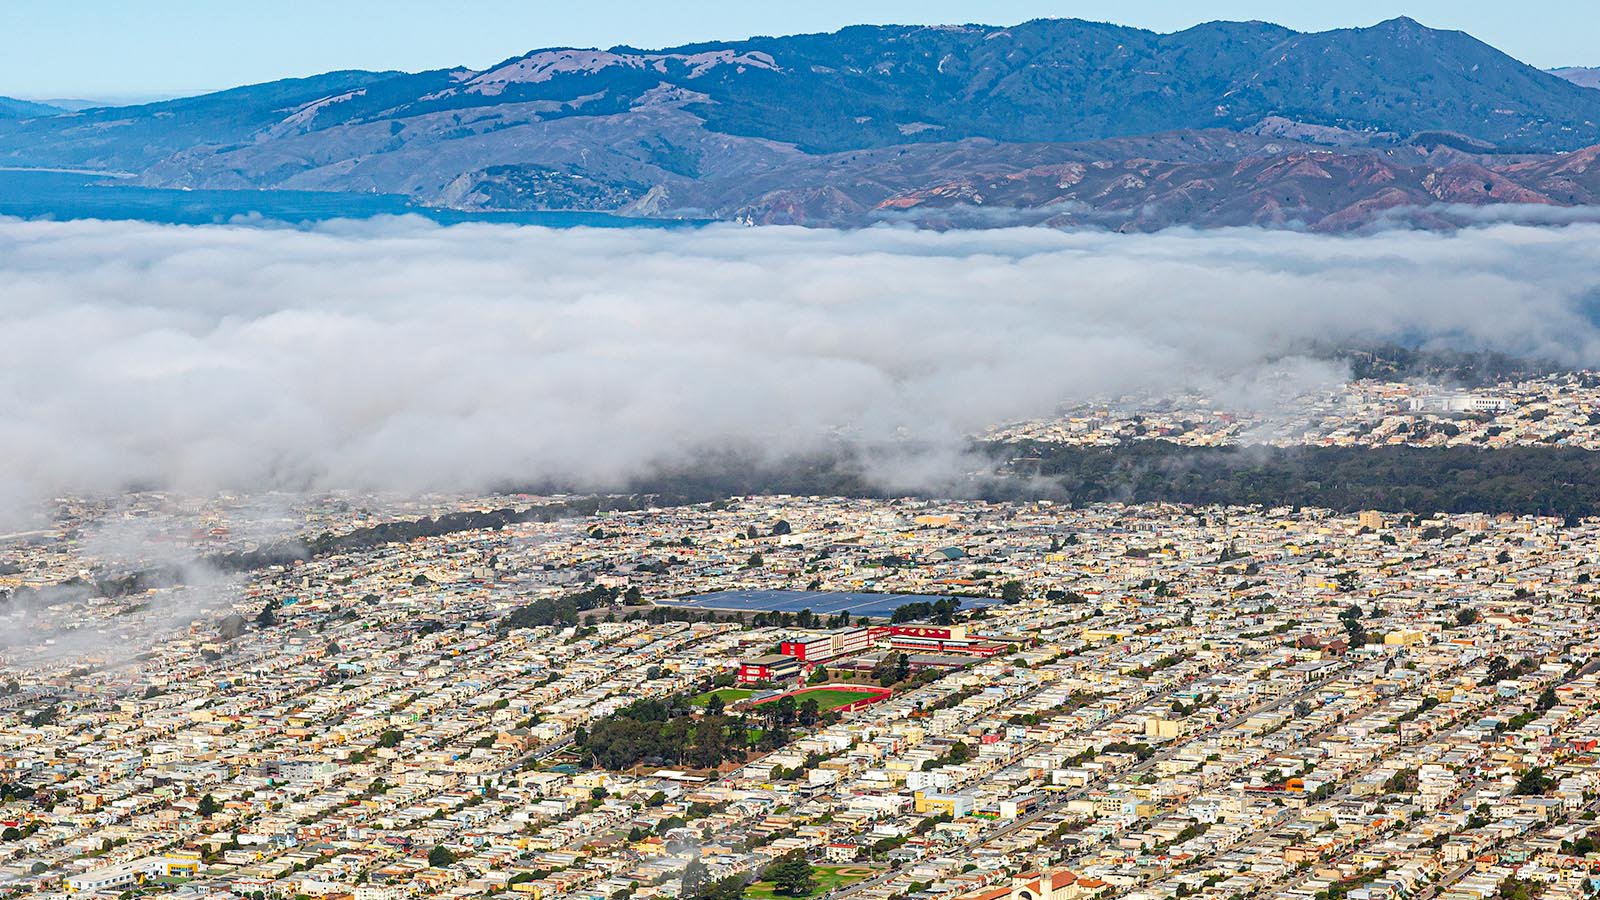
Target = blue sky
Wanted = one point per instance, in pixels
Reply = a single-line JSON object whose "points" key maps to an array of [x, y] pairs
{"points": [[124, 48]]}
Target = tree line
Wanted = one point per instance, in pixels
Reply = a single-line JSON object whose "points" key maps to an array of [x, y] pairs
{"points": [[1552, 481]]}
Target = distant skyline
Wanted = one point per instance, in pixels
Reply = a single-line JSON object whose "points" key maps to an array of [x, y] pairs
{"points": [[114, 50]]}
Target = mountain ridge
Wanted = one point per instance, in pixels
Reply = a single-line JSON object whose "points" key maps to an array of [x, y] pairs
{"points": [[831, 127], [13, 108], [1583, 76]]}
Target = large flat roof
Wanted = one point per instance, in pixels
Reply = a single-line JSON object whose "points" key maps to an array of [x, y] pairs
{"points": [[857, 603]]}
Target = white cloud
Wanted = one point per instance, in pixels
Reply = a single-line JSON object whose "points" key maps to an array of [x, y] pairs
{"points": [[399, 355]]}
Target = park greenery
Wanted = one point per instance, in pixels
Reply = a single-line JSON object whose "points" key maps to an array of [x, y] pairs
{"points": [[695, 730]]}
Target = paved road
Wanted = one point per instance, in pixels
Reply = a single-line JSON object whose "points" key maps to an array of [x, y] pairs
{"points": [[1447, 882]]}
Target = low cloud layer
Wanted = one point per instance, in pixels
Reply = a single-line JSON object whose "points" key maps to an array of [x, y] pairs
{"points": [[399, 355]]}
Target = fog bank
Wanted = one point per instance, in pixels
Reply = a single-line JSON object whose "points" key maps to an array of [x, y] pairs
{"points": [[399, 355]]}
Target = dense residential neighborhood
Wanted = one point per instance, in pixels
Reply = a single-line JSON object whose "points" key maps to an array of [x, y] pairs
{"points": [[1552, 410], [1143, 701]]}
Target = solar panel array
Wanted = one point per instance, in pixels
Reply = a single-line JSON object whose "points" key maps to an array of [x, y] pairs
{"points": [[823, 603]]}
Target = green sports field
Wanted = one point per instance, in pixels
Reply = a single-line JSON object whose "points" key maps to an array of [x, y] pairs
{"points": [[830, 698], [826, 877], [728, 695]]}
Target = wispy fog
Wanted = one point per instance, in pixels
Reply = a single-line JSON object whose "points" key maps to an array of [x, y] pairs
{"points": [[400, 355]]}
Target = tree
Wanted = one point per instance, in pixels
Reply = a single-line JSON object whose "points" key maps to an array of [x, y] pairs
{"points": [[1402, 782], [1514, 888], [791, 875], [695, 876], [729, 888], [808, 711], [883, 672], [208, 806], [1011, 591], [1466, 616], [785, 708], [1533, 782], [440, 857], [1548, 699], [714, 706], [268, 616], [1351, 618], [669, 730]]}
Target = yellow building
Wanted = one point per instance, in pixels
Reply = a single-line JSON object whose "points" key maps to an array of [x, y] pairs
{"points": [[1167, 729], [953, 805]]}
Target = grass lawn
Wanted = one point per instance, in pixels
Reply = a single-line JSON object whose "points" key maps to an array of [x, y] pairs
{"points": [[826, 877], [832, 698], [728, 695]]}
